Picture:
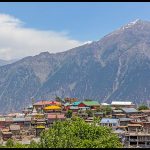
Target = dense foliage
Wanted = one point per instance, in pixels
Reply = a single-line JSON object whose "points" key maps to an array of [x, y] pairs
{"points": [[76, 133], [73, 133], [143, 107]]}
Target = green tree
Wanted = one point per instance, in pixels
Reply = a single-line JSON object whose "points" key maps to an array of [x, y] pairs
{"points": [[69, 114], [33, 144], [107, 109], [9, 143], [88, 100], [143, 107], [76, 133], [90, 113]]}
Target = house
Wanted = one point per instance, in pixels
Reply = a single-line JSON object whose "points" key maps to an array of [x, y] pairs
{"points": [[99, 114], [125, 121], [66, 106], [53, 117], [40, 126], [91, 104], [15, 129], [19, 121], [27, 123], [74, 108], [6, 134], [2, 123], [114, 123], [134, 127], [130, 111], [146, 112], [8, 121], [117, 113], [52, 108], [122, 104], [76, 103], [41, 104]]}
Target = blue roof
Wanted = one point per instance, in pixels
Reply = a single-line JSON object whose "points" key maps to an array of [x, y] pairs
{"points": [[76, 103], [129, 110], [109, 120]]}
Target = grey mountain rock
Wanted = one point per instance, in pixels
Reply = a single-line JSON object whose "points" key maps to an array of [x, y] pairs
{"points": [[117, 67]]}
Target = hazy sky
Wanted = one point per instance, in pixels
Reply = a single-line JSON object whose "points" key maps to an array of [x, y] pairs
{"points": [[29, 28]]}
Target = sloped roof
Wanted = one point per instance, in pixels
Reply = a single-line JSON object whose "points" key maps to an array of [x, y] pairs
{"points": [[118, 110], [53, 107], [129, 110], [18, 119], [74, 107], [91, 103], [76, 103], [109, 120], [121, 103], [126, 119], [67, 104], [145, 111], [104, 104]]}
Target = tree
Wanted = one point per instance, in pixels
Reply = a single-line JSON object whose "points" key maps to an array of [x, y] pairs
{"points": [[76, 133], [107, 109], [88, 100], [69, 114], [9, 143], [90, 113], [143, 107], [33, 144]]}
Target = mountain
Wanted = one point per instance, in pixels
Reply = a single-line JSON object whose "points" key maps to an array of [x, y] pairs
{"points": [[117, 67], [5, 62]]}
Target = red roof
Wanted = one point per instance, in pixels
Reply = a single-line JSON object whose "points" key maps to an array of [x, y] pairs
{"points": [[43, 102]]}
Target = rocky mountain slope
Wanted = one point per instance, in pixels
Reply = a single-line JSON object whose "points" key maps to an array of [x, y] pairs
{"points": [[117, 67]]}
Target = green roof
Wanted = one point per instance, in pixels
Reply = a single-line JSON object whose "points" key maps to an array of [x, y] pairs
{"points": [[91, 103]]}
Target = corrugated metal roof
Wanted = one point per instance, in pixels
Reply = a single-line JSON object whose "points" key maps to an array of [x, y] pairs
{"points": [[121, 103], [74, 107], [109, 120], [126, 119], [118, 110], [129, 110], [18, 119], [104, 104]]}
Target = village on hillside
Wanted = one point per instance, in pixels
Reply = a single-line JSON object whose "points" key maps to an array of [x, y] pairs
{"points": [[127, 121]]}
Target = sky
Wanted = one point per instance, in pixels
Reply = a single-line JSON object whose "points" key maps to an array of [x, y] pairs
{"points": [[28, 28]]}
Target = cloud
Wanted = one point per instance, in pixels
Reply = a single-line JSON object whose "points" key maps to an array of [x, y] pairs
{"points": [[17, 41]]}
